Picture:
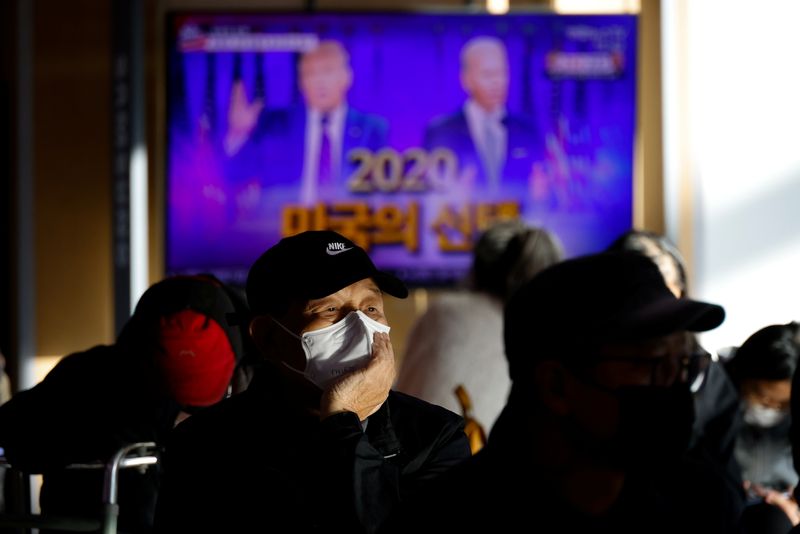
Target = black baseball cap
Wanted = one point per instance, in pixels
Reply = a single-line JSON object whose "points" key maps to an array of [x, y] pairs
{"points": [[572, 308], [312, 265]]}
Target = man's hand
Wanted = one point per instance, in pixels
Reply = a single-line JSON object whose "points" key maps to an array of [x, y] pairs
{"points": [[363, 391], [242, 118]]}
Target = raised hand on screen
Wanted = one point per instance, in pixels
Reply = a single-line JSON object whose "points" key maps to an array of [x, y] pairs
{"points": [[242, 118]]}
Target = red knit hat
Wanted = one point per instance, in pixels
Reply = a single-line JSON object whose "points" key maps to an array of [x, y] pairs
{"points": [[196, 358]]}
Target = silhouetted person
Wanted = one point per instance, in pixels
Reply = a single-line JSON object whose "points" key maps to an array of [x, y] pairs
{"points": [[459, 338], [593, 436], [175, 356], [762, 370]]}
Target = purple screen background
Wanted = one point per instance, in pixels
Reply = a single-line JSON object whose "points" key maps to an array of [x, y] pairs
{"points": [[406, 69]]}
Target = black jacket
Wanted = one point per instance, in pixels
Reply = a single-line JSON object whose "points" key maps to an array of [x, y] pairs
{"points": [[254, 464], [504, 488]]}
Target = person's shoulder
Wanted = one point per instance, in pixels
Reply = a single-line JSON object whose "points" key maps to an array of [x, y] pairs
{"points": [[456, 119], [224, 420], [696, 478], [358, 117], [84, 364], [423, 413], [451, 131], [464, 307], [98, 352], [519, 121], [230, 411], [458, 300], [427, 430]]}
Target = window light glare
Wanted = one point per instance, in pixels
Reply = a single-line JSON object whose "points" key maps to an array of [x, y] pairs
{"points": [[497, 7], [597, 6]]}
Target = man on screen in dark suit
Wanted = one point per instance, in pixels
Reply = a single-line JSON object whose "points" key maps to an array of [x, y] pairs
{"points": [[495, 148], [310, 144]]}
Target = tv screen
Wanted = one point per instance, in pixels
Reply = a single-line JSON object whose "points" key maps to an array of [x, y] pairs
{"points": [[408, 133]]}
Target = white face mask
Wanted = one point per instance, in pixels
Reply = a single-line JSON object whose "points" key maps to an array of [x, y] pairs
{"points": [[339, 348], [762, 416]]}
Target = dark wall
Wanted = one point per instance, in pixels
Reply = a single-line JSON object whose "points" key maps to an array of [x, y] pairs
{"points": [[7, 150]]}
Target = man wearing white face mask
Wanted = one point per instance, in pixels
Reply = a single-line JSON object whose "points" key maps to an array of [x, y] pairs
{"points": [[318, 442], [338, 349]]}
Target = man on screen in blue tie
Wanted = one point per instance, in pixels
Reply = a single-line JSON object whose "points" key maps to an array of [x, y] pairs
{"points": [[495, 148]]}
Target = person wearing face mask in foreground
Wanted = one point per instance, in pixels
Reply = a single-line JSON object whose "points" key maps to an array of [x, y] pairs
{"points": [[318, 442], [593, 435]]}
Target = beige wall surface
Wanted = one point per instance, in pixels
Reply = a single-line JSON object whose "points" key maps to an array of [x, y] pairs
{"points": [[649, 168], [72, 192]]}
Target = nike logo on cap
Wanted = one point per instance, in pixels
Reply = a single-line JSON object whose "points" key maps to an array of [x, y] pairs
{"points": [[336, 248]]}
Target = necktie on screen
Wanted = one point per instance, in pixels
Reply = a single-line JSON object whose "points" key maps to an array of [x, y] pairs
{"points": [[492, 152], [324, 170]]}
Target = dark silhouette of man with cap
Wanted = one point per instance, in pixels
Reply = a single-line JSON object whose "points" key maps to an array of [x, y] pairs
{"points": [[318, 442], [593, 435], [175, 355]]}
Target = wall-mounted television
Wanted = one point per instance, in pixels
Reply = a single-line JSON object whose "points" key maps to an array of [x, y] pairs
{"points": [[409, 133]]}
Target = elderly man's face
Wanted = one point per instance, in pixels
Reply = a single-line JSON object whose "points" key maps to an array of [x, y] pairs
{"points": [[324, 80], [485, 77], [363, 295]]}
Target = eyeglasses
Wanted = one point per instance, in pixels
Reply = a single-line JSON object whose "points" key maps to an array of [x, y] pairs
{"points": [[699, 364], [666, 370]]}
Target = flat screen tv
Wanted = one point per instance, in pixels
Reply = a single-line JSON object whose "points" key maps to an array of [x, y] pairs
{"points": [[408, 133]]}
